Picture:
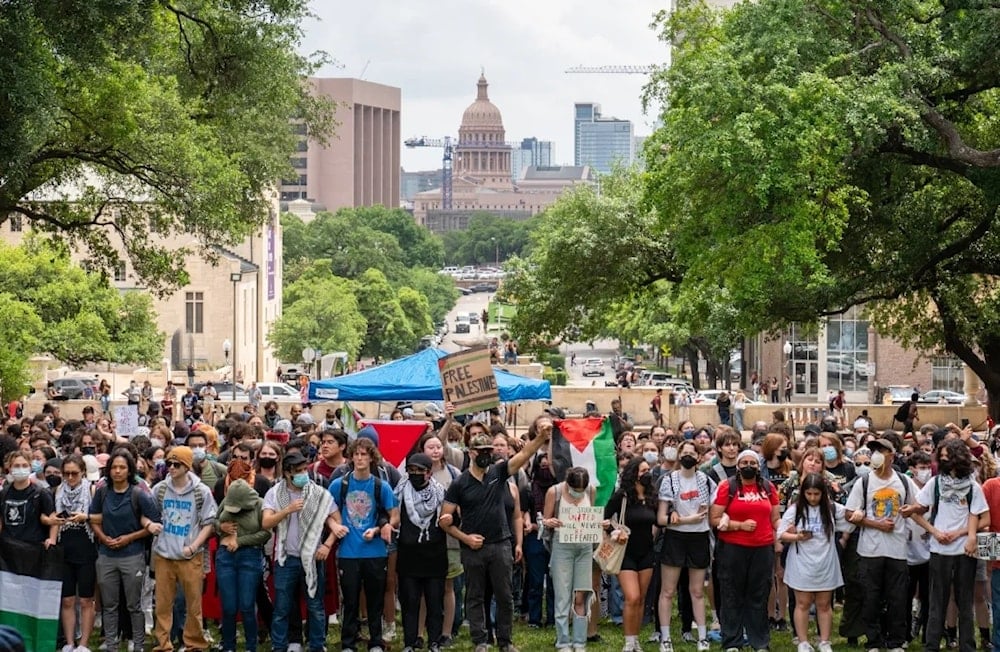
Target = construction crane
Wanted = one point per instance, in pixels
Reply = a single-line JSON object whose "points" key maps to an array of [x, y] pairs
{"points": [[616, 70], [448, 143]]}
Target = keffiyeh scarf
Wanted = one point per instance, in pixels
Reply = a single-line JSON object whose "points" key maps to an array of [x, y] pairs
{"points": [[74, 501], [316, 506], [422, 505]]}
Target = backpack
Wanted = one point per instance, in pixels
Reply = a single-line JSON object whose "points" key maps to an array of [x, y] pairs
{"points": [[383, 516], [147, 542], [906, 489], [549, 534], [160, 491], [902, 413], [937, 499]]}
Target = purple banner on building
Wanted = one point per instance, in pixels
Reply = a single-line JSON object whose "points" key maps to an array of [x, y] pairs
{"points": [[270, 261]]}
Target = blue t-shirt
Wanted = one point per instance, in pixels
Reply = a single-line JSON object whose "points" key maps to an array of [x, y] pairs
{"points": [[359, 513]]}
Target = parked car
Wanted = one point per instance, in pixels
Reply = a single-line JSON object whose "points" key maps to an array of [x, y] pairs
{"points": [[936, 396], [484, 287], [473, 317], [462, 324], [277, 392], [224, 389], [712, 395], [900, 393], [593, 367], [70, 388]]}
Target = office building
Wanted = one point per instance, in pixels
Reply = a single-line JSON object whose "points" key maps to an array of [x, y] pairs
{"points": [[359, 165], [532, 152], [601, 142]]}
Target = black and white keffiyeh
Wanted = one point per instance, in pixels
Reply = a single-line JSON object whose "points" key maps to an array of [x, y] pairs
{"points": [[421, 505]]}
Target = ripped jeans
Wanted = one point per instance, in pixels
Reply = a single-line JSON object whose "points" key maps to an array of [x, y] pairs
{"points": [[570, 565]]}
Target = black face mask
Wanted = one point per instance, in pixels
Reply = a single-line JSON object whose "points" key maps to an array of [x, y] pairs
{"points": [[748, 472], [53, 480], [645, 479], [688, 462], [268, 462], [483, 460], [782, 455], [88, 450], [418, 480], [945, 467]]}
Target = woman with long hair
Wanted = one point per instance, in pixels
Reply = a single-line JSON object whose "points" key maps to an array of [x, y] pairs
{"points": [[640, 503], [813, 570], [777, 467], [570, 563], [745, 512], [73, 497], [685, 496]]}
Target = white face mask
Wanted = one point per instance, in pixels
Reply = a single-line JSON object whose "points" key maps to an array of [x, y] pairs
{"points": [[670, 453], [863, 469], [922, 475], [878, 459], [650, 457]]}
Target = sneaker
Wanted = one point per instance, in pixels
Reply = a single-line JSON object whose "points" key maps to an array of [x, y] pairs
{"points": [[873, 649], [81, 648], [666, 646], [331, 619], [897, 649], [704, 645], [714, 636], [579, 648], [824, 646], [377, 648], [653, 638], [732, 649], [67, 648], [388, 631], [805, 647], [294, 647], [445, 641]]}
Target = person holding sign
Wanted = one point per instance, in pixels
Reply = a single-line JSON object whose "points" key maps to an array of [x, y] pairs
{"points": [[571, 554]]}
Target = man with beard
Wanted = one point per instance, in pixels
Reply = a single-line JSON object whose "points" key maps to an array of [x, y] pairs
{"points": [[485, 537]]}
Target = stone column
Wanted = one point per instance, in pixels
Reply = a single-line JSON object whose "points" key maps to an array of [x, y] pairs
{"points": [[972, 386]]}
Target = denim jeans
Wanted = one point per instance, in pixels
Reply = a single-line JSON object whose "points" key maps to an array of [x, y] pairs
{"points": [[571, 565], [237, 575], [538, 582], [286, 578], [616, 600], [493, 562]]}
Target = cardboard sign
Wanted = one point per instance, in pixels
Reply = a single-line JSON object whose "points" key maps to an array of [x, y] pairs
{"points": [[467, 380], [127, 420], [987, 546], [580, 524]]}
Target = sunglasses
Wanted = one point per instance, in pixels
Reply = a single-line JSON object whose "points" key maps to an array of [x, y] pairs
{"points": [[70, 474], [860, 464], [237, 457], [175, 465]]}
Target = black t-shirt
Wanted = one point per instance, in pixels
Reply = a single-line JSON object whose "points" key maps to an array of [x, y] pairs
{"points": [[482, 504], [420, 558], [843, 472], [640, 518], [21, 513]]}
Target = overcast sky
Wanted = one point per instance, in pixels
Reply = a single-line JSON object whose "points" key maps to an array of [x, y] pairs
{"points": [[433, 51]]}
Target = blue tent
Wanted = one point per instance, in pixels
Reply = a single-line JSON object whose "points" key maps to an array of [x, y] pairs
{"points": [[416, 378]]}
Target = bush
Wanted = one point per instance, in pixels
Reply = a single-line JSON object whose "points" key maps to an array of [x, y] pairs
{"points": [[555, 377], [557, 362]]}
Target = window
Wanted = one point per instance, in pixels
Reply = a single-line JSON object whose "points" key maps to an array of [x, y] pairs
{"points": [[947, 372], [194, 312], [847, 352], [16, 223], [301, 145], [120, 275], [298, 162]]}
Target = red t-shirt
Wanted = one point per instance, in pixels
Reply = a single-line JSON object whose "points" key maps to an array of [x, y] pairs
{"points": [[991, 490], [750, 504]]}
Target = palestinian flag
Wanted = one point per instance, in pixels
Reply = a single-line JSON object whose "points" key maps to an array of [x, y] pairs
{"points": [[31, 577], [350, 420], [396, 438], [586, 442]]}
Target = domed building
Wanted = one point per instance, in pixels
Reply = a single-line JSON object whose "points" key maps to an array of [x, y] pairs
{"points": [[481, 180]]}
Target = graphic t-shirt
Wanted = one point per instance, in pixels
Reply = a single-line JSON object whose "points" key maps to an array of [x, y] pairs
{"points": [[22, 511], [360, 513], [748, 504], [885, 500], [953, 509]]}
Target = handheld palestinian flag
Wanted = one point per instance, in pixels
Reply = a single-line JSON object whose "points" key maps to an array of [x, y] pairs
{"points": [[31, 577], [586, 442], [396, 438], [350, 420]]}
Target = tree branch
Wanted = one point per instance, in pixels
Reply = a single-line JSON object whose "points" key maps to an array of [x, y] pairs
{"points": [[954, 144]]}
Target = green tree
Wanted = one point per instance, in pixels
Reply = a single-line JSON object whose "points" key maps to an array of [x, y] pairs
{"points": [[421, 248], [816, 155], [417, 310], [321, 311], [127, 124], [83, 318], [438, 288], [388, 334], [487, 239], [19, 324]]}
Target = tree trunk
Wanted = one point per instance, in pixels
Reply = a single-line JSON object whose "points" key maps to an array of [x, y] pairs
{"points": [[691, 353]]}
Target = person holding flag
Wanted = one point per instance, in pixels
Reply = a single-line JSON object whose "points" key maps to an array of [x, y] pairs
{"points": [[485, 537]]}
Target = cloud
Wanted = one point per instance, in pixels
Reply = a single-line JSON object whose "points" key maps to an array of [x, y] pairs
{"points": [[433, 50]]}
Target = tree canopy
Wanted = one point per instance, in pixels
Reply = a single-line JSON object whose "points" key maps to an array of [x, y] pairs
{"points": [[126, 124], [488, 238], [819, 154]]}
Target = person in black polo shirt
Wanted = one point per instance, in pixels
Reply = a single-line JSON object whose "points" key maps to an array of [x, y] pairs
{"points": [[478, 497]]}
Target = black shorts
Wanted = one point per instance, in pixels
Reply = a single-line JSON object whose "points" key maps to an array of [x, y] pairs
{"points": [[686, 549], [79, 579], [641, 562]]}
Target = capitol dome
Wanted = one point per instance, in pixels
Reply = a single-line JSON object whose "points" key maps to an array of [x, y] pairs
{"points": [[482, 112]]}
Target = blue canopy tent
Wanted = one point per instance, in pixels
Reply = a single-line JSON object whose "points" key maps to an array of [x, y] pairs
{"points": [[416, 378]]}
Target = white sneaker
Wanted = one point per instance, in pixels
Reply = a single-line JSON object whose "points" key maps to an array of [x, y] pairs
{"points": [[897, 649], [653, 638], [294, 647], [68, 648], [666, 646], [805, 647], [332, 620], [81, 648], [873, 649], [579, 648], [704, 645], [824, 646]]}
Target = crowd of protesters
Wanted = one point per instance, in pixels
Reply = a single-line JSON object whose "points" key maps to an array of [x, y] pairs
{"points": [[283, 529]]}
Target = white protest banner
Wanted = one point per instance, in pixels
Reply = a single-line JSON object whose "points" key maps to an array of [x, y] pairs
{"points": [[127, 420], [580, 524], [468, 382]]}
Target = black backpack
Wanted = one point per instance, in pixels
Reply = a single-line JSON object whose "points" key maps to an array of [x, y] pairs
{"points": [[903, 413]]}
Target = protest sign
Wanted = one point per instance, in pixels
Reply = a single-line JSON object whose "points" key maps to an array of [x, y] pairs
{"points": [[580, 524], [467, 380]]}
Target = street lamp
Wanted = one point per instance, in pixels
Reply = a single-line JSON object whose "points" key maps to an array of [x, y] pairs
{"points": [[787, 348], [235, 277], [496, 245]]}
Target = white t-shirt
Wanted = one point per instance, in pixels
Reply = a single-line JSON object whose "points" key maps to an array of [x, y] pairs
{"points": [[292, 543], [688, 495], [885, 499], [953, 509], [813, 564]]}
